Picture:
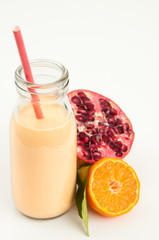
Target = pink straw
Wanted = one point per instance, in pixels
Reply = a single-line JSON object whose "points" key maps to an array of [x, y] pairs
{"points": [[27, 70]]}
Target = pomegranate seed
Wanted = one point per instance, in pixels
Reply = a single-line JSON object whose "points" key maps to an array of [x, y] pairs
{"points": [[86, 102], [90, 126], [126, 125], [111, 121], [118, 122], [82, 135], [105, 109], [112, 131], [82, 111], [119, 154], [85, 99], [79, 143], [91, 112], [108, 115], [93, 139], [101, 100], [102, 130], [110, 134], [95, 130], [86, 140], [80, 118], [86, 146], [103, 104], [124, 148], [115, 130], [108, 105], [105, 138], [127, 138], [101, 124], [116, 149], [96, 138], [111, 145], [113, 111], [76, 100], [96, 155], [118, 143], [89, 131], [90, 118], [90, 106], [81, 94], [86, 153], [120, 130], [80, 105], [93, 148]]}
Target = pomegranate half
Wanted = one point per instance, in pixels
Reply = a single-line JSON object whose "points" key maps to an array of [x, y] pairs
{"points": [[103, 129]]}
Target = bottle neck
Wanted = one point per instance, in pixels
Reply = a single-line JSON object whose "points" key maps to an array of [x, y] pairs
{"points": [[51, 81]]}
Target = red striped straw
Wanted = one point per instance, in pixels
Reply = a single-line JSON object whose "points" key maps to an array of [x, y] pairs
{"points": [[27, 71]]}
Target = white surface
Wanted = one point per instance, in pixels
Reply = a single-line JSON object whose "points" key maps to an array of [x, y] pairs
{"points": [[111, 47]]}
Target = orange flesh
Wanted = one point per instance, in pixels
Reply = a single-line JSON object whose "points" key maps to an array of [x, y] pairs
{"points": [[113, 187]]}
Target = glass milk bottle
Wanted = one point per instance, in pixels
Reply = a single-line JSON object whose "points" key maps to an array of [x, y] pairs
{"points": [[43, 151]]}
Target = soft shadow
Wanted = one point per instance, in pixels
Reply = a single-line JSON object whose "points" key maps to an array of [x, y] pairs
{"points": [[76, 221], [71, 217]]}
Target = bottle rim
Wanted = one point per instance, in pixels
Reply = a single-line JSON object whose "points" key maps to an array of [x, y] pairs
{"points": [[61, 83]]}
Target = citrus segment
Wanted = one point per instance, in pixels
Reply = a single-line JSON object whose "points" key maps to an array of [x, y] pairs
{"points": [[113, 187]]}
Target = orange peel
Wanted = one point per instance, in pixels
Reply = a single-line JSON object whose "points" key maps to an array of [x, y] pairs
{"points": [[113, 187]]}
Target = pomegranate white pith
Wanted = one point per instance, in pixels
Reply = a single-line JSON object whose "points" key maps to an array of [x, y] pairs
{"points": [[103, 129]]}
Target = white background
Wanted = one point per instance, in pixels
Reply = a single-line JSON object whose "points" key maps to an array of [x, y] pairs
{"points": [[111, 47]]}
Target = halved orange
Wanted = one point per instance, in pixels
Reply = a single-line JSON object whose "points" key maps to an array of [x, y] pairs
{"points": [[113, 187]]}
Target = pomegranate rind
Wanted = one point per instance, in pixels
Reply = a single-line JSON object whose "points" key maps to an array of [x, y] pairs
{"points": [[106, 151], [91, 198]]}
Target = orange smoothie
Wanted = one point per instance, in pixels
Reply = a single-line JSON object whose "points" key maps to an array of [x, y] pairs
{"points": [[43, 161]]}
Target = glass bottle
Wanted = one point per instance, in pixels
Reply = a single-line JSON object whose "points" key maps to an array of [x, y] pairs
{"points": [[43, 151]]}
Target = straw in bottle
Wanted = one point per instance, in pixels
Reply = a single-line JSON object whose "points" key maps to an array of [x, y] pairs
{"points": [[27, 71]]}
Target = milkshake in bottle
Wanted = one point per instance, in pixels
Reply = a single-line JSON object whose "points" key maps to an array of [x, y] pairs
{"points": [[43, 151]]}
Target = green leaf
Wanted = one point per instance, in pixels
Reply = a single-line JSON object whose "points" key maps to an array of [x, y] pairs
{"points": [[81, 200]]}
